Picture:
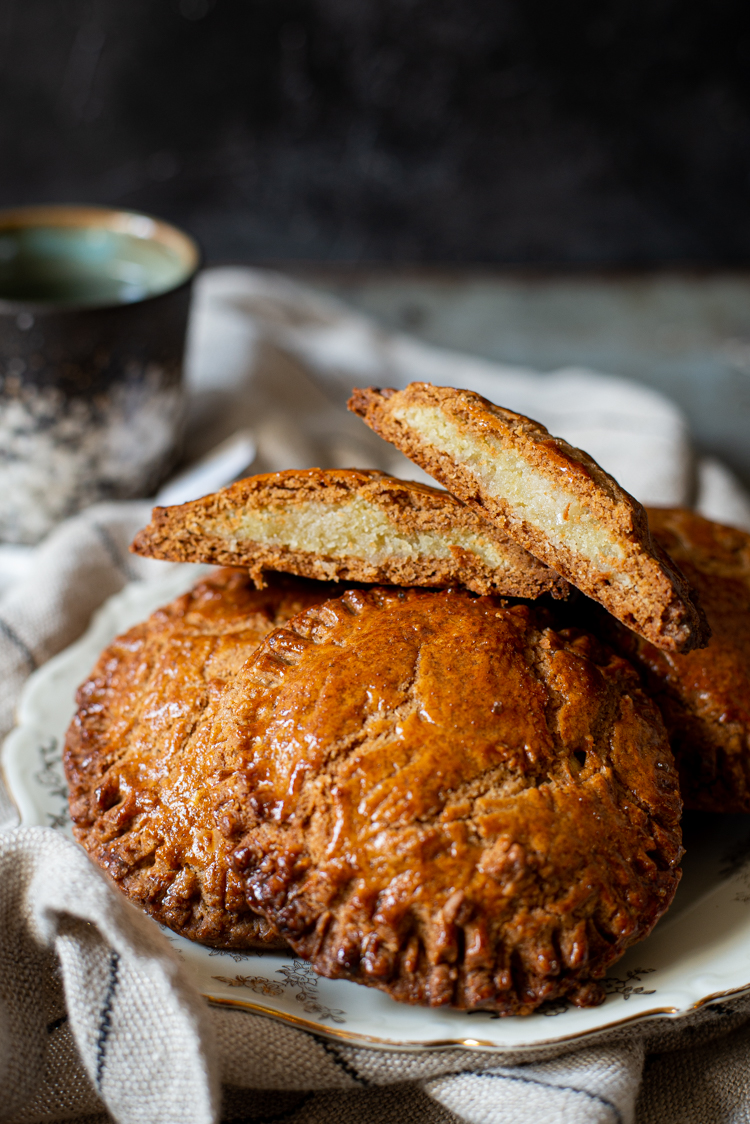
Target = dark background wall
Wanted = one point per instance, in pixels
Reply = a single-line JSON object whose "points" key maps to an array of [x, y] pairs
{"points": [[498, 131]]}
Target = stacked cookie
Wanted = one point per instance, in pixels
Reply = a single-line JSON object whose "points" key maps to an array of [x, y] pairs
{"points": [[396, 737]]}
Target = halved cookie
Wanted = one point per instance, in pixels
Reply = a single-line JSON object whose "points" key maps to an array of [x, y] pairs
{"points": [[443, 798], [139, 795], [551, 498], [347, 525], [704, 696]]}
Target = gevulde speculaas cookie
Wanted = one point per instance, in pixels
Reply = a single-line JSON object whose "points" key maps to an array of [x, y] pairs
{"points": [[441, 797], [704, 696]]}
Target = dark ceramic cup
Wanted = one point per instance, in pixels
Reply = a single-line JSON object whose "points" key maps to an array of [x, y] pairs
{"points": [[93, 316]]}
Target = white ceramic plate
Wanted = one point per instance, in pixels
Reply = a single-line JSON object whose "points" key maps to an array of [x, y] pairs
{"points": [[698, 953]]}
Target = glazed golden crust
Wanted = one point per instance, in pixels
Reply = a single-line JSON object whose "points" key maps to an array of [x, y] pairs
{"points": [[138, 795], [597, 536], [449, 801], [366, 527], [704, 696]]}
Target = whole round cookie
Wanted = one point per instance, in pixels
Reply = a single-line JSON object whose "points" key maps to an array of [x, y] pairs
{"points": [[704, 696], [440, 796], [139, 796]]}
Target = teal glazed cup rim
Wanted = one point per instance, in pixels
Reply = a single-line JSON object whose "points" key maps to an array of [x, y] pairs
{"points": [[57, 257]]}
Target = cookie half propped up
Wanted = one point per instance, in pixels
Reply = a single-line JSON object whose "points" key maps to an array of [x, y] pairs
{"points": [[550, 497], [347, 525]]}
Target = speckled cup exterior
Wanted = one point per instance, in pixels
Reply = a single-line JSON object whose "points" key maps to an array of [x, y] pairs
{"points": [[91, 400]]}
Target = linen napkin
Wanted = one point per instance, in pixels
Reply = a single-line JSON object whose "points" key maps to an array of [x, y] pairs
{"points": [[96, 1016]]}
